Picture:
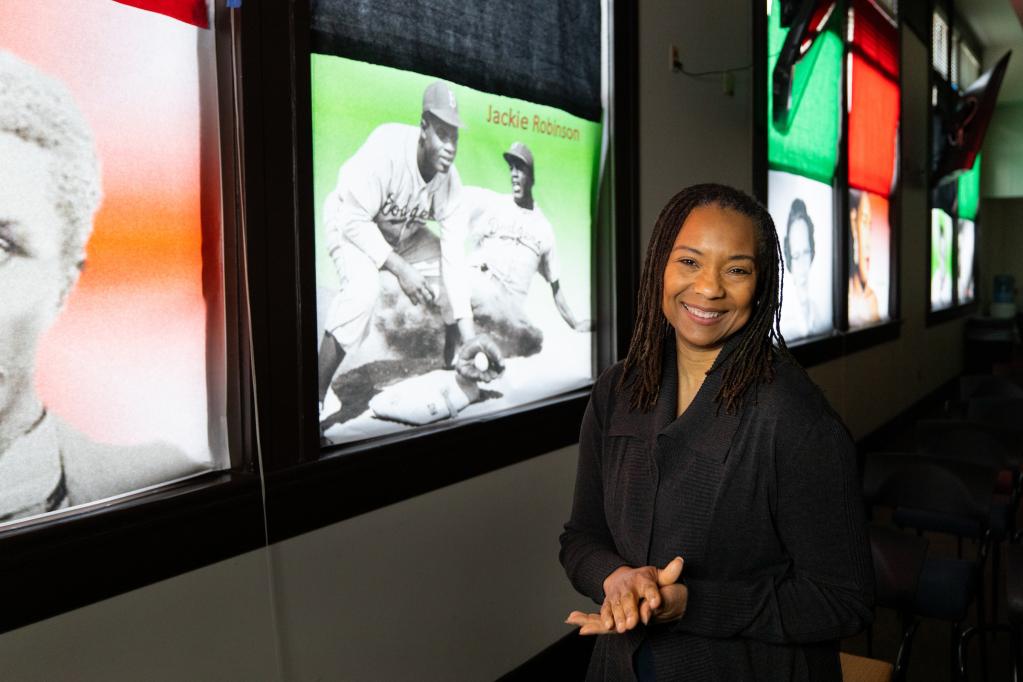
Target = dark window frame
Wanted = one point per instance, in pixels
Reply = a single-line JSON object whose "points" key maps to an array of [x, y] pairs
{"points": [[66, 560], [957, 310], [841, 341], [308, 489]]}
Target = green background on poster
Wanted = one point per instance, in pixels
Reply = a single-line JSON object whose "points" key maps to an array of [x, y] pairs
{"points": [[351, 98]]}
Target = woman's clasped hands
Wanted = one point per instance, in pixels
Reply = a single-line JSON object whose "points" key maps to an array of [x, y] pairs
{"points": [[633, 595]]}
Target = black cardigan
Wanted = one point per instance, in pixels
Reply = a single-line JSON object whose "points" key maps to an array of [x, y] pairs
{"points": [[764, 506]]}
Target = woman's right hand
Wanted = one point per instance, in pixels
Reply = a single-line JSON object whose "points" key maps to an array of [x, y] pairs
{"points": [[632, 594]]}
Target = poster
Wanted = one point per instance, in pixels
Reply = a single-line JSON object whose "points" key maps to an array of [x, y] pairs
{"points": [[103, 320], [941, 259], [448, 221], [966, 236], [869, 258], [802, 210]]}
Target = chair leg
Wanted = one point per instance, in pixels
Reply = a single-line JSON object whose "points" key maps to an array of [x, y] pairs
{"points": [[1017, 654], [996, 553], [957, 660], [981, 624], [909, 625], [870, 641]]}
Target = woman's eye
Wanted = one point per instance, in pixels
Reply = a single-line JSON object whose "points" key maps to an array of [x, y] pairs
{"points": [[687, 261]]}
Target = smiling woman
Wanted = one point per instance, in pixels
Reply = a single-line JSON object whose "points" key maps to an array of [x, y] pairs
{"points": [[716, 517]]}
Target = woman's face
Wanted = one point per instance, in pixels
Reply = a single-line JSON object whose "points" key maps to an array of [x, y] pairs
{"points": [[710, 280], [800, 255]]}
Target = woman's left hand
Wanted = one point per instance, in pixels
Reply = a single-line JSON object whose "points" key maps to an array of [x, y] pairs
{"points": [[674, 598]]}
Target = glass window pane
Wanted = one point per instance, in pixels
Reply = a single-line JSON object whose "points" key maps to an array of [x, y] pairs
{"points": [[939, 45], [809, 146], [111, 354]]}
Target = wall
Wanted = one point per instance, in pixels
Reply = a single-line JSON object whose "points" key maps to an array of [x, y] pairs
{"points": [[1002, 165], [1001, 245], [690, 131]]}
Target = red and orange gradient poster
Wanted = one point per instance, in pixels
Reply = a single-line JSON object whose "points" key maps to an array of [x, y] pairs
{"points": [[126, 362]]}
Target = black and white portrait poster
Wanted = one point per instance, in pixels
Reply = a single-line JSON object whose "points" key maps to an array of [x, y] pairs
{"points": [[802, 212], [453, 249]]}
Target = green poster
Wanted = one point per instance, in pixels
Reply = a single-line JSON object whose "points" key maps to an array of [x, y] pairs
{"points": [[969, 192], [497, 233], [809, 147]]}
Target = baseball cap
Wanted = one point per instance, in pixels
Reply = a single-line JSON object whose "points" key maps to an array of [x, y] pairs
{"points": [[521, 152], [440, 101]]}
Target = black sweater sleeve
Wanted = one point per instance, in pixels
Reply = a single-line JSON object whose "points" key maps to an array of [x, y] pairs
{"points": [[587, 549], [827, 591]]}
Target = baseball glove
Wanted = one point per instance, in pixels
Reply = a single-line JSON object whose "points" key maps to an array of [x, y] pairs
{"points": [[479, 359]]}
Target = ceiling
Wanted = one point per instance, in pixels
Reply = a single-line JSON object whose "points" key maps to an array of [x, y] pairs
{"points": [[998, 28]]}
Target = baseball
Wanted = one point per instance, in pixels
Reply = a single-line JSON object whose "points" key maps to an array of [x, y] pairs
{"points": [[481, 361]]}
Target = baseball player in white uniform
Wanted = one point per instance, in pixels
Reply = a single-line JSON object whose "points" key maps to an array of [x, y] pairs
{"points": [[510, 241], [375, 219]]}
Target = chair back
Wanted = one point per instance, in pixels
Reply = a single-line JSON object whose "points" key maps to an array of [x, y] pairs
{"points": [[929, 493], [988, 386], [898, 559], [1006, 413], [970, 441]]}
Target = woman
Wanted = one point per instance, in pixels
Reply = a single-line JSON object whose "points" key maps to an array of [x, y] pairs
{"points": [[717, 517]]}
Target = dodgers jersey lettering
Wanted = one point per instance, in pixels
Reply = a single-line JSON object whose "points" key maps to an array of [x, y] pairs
{"points": [[381, 199], [511, 242]]}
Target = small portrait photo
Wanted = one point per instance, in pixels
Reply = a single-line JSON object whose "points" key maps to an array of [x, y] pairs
{"points": [[966, 239], [869, 258], [941, 259], [802, 212]]}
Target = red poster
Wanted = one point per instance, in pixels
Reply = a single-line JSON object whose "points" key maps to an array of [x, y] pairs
{"points": [[190, 11]]}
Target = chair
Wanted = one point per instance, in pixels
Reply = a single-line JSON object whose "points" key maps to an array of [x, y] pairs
{"points": [[996, 411], [988, 386], [992, 446], [943, 496], [1014, 597], [898, 561]]}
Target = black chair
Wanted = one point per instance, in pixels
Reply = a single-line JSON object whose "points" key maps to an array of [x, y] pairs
{"points": [[1014, 597], [1006, 413], [942, 496], [898, 561], [991, 446]]}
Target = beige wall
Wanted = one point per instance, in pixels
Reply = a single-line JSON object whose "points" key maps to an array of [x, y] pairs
{"points": [[1002, 165], [1001, 245]]}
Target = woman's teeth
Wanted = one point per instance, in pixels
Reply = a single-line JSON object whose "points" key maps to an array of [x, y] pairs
{"points": [[705, 314]]}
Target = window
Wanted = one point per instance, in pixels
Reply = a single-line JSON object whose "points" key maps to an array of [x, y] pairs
{"points": [[940, 45], [453, 220], [119, 282]]}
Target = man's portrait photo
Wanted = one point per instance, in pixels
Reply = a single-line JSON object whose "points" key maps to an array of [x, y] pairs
{"points": [[100, 284]]}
